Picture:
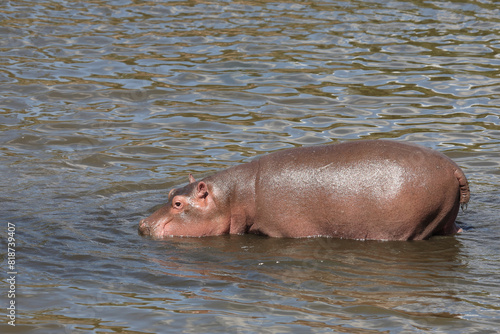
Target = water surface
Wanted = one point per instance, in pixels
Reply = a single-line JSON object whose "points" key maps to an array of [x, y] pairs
{"points": [[106, 105]]}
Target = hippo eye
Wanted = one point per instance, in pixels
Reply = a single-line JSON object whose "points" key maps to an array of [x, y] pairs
{"points": [[177, 202]]}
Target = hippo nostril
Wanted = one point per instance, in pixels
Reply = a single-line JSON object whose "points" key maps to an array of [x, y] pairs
{"points": [[143, 227]]}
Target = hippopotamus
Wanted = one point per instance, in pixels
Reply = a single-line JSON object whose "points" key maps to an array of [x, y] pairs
{"points": [[366, 189]]}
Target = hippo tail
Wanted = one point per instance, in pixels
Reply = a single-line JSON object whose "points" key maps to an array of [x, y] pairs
{"points": [[464, 188]]}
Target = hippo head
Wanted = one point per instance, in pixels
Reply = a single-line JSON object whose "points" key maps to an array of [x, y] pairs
{"points": [[190, 211]]}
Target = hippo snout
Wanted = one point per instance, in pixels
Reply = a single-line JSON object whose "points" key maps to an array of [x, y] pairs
{"points": [[144, 227]]}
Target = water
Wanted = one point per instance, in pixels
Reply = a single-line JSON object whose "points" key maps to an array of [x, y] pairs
{"points": [[106, 105]]}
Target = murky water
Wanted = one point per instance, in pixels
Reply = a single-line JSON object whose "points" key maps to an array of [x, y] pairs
{"points": [[105, 105]]}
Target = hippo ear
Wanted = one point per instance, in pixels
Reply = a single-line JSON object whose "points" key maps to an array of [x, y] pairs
{"points": [[171, 193], [191, 178], [201, 190]]}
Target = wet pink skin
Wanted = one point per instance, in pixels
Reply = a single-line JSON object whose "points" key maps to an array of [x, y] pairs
{"points": [[379, 190]]}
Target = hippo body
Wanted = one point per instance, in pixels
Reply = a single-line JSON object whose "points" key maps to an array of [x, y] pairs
{"points": [[379, 190]]}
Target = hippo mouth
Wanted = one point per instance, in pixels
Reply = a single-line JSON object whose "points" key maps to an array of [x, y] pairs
{"points": [[144, 228], [155, 229]]}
